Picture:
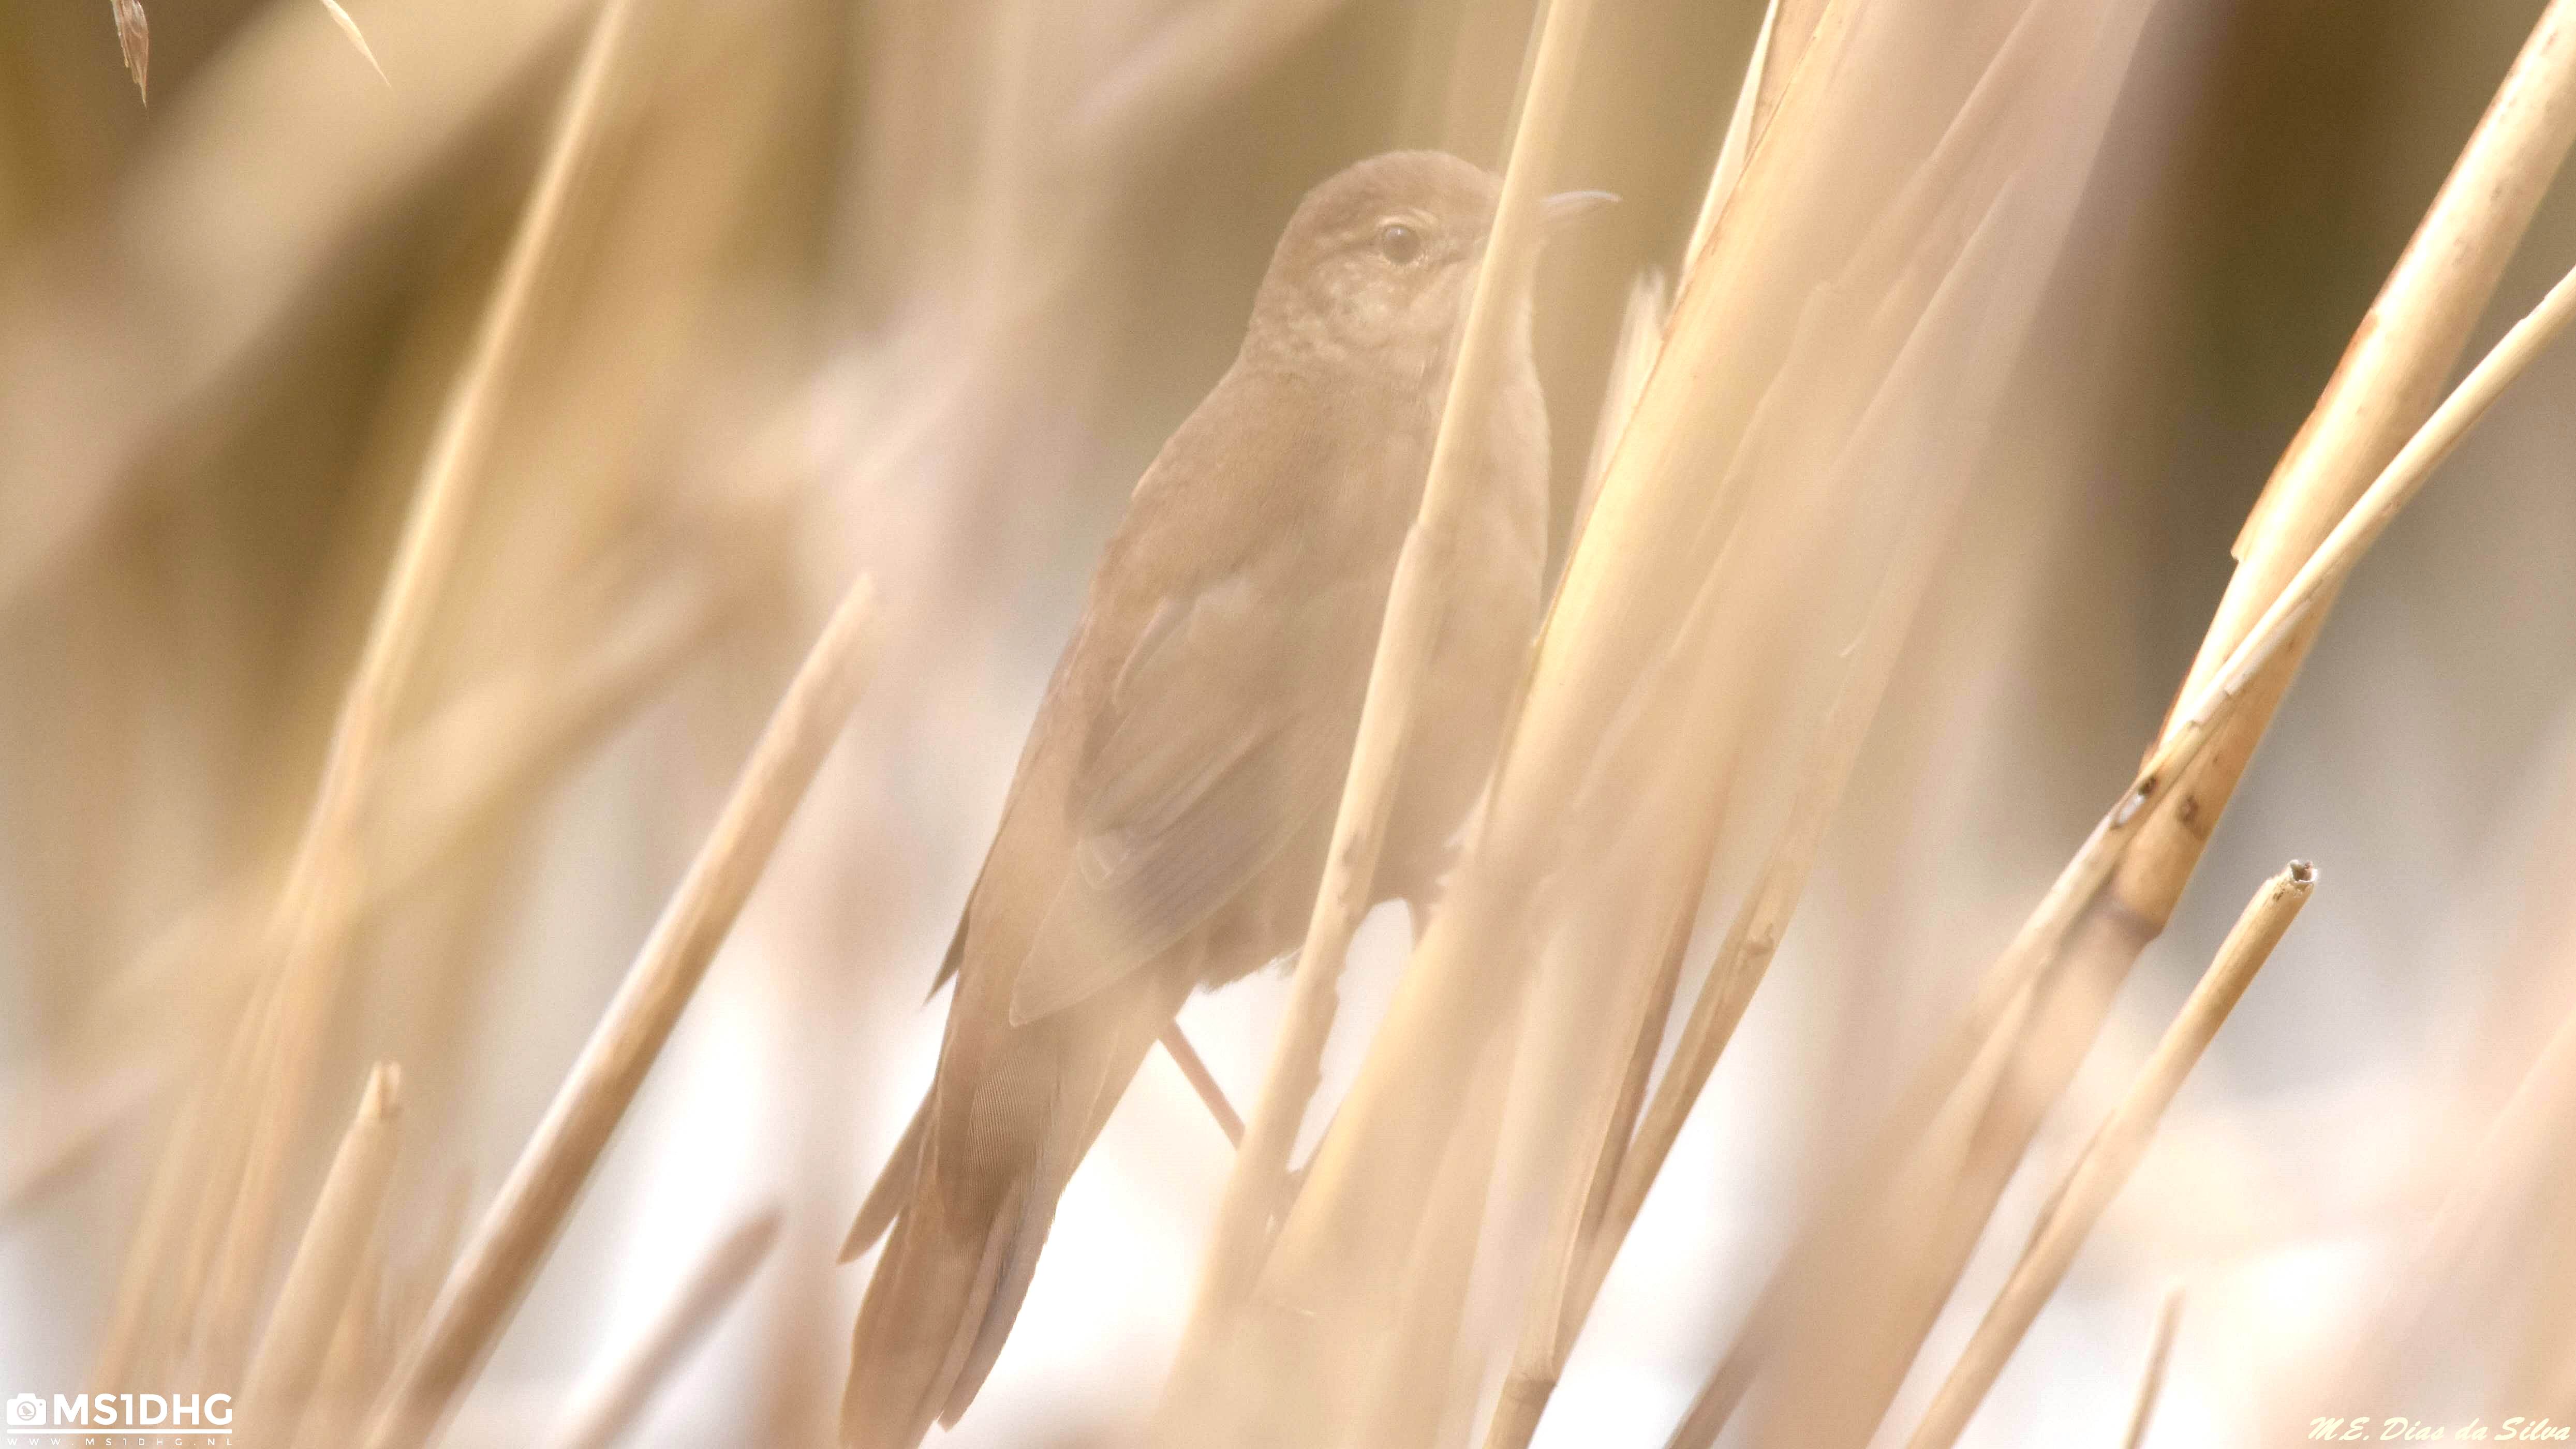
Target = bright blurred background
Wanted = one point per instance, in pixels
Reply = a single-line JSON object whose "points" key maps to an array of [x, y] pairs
{"points": [[916, 288]]}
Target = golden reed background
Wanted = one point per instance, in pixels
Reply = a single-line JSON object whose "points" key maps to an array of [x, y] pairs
{"points": [[687, 318]]}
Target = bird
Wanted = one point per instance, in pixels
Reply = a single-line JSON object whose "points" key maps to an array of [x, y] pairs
{"points": [[1168, 823]]}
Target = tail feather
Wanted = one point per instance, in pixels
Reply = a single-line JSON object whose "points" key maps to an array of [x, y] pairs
{"points": [[1058, 1152], [925, 1319], [892, 1190], [1014, 1262]]}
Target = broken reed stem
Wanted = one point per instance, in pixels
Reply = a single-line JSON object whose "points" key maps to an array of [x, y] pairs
{"points": [[1202, 1081], [2379, 394], [303, 987], [618, 1393], [515, 1235], [316, 1294], [2151, 1382], [2391, 491], [2416, 328], [2113, 1153], [1414, 605], [2409, 340]]}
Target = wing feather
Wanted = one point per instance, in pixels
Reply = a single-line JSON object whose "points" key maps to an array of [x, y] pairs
{"points": [[1221, 740]]}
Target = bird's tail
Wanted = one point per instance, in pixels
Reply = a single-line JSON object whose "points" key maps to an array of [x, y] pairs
{"points": [[936, 1314], [971, 1195]]}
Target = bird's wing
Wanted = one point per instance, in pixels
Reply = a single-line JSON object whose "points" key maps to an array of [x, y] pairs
{"points": [[1221, 736]]}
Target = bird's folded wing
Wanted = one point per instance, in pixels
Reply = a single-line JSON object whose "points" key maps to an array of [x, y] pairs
{"points": [[1224, 734]]}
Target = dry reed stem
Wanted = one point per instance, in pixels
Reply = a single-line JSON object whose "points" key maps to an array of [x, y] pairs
{"points": [[134, 43], [2415, 330], [1624, 1168], [352, 1363], [1753, 938], [2014, 985], [188, 313], [613, 1401], [2104, 1166], [441, 781], [1939, 282], [302, 988], [1641, 330], [1649, 539], [1412, 622], [2395, 487], [1645, 1044], [2151, 1380], [316, 1296], [61, 1116], [1182, 70], [1737, 143], [1792, 33], [133, 1328], [158, 290], [1202, 1081], [1417, 1388], [349, 28], [1641, 336], [2418, 325], [511, 1242]]}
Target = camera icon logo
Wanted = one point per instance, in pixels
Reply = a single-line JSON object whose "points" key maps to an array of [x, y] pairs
{"points": [[26, 1409]]}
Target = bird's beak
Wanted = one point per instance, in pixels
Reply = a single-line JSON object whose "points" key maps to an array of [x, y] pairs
{"points": [[1570, 206]]}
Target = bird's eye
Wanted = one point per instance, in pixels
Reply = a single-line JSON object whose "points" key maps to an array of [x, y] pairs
{"points": [[1399, 243]]}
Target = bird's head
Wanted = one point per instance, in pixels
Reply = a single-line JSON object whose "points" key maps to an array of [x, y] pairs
{"points": [[1376, 268]]}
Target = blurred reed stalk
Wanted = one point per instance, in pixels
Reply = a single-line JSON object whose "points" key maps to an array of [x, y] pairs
{"points": [[352, 1361], [1937, 313], [316, 1296], [2107, 1160], [134, 43], [608, 1406], [2002, 1017], [1425, 1385], [357, 37], [443, 781], [510, 1245], [2497, 1183], [1649, 603], [2151, 1380], [266, 1090], [1632, 1151], [2079, 945], [1624, 1170]]}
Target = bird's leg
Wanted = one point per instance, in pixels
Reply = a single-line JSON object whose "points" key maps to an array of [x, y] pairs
{"points": [[1186, 1057]]}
